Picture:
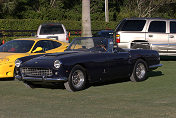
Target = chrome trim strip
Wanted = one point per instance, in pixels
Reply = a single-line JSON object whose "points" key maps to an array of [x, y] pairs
{"points": [[41, 79], [155, 66]]}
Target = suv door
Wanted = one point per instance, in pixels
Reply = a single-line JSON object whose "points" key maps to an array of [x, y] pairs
{"points": [[157, 36], [172, 37]]}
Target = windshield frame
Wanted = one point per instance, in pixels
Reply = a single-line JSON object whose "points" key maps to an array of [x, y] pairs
{"points": [[109, 41]]}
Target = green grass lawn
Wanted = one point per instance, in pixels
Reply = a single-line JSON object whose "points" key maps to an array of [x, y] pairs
{"points": [[153, 98]]}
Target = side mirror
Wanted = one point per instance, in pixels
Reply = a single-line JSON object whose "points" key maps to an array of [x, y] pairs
{"points": [[38, 49]]}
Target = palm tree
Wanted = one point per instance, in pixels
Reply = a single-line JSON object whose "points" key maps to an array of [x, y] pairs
{"points": [[106, 11], [86, 21]]}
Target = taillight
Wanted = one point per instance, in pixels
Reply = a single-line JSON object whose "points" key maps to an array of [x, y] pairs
{"points": [[117, 38]]}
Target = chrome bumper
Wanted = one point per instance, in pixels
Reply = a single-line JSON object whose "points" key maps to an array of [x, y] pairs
{"points": [[155, 66], [20, 78]]}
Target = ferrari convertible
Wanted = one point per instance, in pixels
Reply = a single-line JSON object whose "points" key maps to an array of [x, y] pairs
{"points": [[86, 60]]}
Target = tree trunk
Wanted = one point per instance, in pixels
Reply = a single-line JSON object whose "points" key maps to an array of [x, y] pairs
{"points": [[86, 21], [106, 11]]}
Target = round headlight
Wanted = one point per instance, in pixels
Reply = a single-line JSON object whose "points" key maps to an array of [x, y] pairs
{"points": [[57, 64], [18, 63]]}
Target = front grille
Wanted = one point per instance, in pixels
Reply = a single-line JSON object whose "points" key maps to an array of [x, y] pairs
{"points": [[36, 72]]}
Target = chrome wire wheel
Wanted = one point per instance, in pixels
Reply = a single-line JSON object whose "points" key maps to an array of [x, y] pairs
{"points": [[78, 78], [140, 71]]}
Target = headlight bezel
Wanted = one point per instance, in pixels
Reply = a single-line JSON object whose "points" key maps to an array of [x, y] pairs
{"points": [[18, 63], [57, 64]]}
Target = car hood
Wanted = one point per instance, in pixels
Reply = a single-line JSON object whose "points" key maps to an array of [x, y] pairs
{"points": [[4, 56], [61, 55], [47, 60]]}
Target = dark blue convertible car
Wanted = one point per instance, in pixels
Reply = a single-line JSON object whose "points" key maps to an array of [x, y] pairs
{"points": [[86, 60]]}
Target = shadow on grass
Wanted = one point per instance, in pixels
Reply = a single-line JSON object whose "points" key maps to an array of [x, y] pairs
{"points": [[7, 79], [47, 86], [154, 73], [115, 81], [121, 80], [168, 58]]}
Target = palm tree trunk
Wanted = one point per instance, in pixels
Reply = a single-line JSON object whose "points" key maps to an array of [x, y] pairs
{"points": [[106, 11], [86, 21]]}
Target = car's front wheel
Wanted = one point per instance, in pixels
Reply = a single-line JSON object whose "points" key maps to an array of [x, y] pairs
{"points": [[77, 79], [139, 72]]}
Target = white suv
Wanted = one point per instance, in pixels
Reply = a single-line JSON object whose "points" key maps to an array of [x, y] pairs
{"points": [[53, 31], [148, 33]]}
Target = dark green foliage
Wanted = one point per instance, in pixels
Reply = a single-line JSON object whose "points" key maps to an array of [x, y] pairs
{"points": [[32, 24]]}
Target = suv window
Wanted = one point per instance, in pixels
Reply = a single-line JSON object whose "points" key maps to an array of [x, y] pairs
{"points": [[132, 25], [157, 26], [51, 29], [172, 27]]}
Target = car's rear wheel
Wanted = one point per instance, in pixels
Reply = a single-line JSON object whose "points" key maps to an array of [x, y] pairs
{"points": [[77, 79], [139, 72]]}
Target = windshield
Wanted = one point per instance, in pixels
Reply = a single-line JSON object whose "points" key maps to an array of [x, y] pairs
{"points": [[51, 29], [17, 46], [89, 44]]}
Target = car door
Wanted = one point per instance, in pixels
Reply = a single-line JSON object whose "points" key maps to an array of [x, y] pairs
{"points": [[97, 65], [158, 36], [118, 64], [172, 38]]}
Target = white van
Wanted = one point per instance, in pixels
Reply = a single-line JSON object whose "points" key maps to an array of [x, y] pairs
{"points": [[53, 31]]}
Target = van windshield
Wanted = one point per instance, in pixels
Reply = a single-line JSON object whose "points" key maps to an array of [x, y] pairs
{"points": [[51, 29]]}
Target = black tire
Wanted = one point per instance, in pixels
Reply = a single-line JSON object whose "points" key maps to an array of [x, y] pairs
{"points": [[139, 72], [77, 79]]}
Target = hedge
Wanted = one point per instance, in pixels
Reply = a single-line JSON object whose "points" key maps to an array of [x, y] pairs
{"points": [[32, 24]]}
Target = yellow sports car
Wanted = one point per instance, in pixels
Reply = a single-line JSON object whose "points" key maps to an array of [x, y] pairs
{"points": [[17, 48]]}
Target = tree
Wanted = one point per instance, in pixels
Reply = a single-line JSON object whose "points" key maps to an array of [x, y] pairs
{"points": [[8, 6], [145, 8], [106, 11], [86, 21]]}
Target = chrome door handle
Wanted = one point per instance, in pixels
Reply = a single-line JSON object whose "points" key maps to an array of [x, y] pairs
{"points": [[150, 35], [171, 36]]}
